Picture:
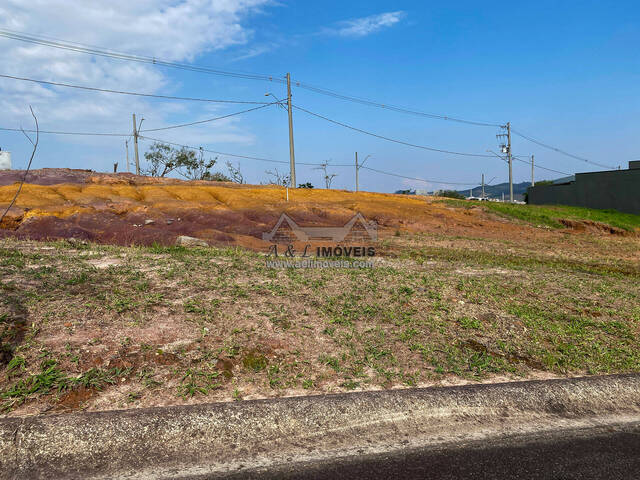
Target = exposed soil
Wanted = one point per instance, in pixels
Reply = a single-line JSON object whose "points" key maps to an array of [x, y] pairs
{"points": [[125, 209]]}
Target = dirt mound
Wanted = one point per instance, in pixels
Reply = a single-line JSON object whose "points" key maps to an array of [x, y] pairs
{"points": [[126, 209], [593, 227]]}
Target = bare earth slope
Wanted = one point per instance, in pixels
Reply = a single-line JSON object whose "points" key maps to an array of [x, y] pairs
{"points": [[117, 209]]}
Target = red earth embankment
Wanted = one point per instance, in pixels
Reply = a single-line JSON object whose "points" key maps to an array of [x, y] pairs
{"points": [[125, 209]]}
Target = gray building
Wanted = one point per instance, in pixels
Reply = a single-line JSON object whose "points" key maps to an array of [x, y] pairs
{"points": [[616, 189]]}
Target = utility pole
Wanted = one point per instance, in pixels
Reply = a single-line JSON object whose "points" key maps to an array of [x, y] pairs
{"points": [[533, 182], [510, 162], [135, 144], [292, 155], [483, 185], [126, 144], [507, 149], [357, 186]]}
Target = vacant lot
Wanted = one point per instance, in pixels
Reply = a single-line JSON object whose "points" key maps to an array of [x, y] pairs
{"points": [[94, 326]]}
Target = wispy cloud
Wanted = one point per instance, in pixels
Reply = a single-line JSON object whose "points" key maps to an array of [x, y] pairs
{"points": [[257, 50], [361, 27]]}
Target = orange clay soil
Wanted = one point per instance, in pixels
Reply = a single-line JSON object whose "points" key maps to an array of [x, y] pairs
{"points": [[125, 209]]}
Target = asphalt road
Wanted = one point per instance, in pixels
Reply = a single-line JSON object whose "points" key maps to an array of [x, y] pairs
{"points": [[608, 454]]}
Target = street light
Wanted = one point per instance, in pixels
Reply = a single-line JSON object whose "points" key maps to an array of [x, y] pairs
{"points": [[278, 101]]}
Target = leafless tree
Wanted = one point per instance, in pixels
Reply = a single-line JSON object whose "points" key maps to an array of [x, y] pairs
{"points": [[33, 153], [234, 173], [328, 177], [277, 178]]}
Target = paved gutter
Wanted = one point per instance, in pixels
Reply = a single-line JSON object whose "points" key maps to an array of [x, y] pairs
{"points": [[254, 438]]}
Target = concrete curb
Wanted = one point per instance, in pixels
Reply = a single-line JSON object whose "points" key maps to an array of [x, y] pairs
{"points": [[216, 440]]}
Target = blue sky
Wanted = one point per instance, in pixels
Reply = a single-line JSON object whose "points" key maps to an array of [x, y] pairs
{"points": [[567, 74]]}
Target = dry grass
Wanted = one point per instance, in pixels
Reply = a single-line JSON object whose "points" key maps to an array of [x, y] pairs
{"points": [[103, 327]]}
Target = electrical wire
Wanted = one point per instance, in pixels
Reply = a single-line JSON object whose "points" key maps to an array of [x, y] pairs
{"points": [[103, 52], [382, 137], [300, 163], [33, 153], [120, 92], [106, 134], [98, 134], [540, 166], [393, 108], [555, 149], [207, 120], [415, 178], [213, 151]]}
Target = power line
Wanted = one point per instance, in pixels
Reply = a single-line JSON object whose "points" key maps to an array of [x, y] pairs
{"points": [[213, 151], [414, 178], [394, 108], [102, 52], [555, 149], [105, 90], [98, 134], [107, 134], [541, 167], [388, 138], [207, 120], [191, 147], [299, 163]]}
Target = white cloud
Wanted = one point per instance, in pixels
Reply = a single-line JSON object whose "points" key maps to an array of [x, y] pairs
{"points": [[361, 27], [175, 30]]}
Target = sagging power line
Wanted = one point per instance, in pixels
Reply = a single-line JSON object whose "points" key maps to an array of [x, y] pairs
{"points": [[137, 94], [558, 150], [389, 139], [103, 52], [170, 127], [394, 108]]}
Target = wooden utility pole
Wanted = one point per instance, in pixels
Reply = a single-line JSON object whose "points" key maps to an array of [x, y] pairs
{"points": [[483, 185], [533, 182], [357, 186], [292, 156], [510, 162], [135, 144]]}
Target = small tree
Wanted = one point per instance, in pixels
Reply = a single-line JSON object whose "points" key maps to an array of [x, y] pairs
{"points": [[235, 173], [197, 167], [328, 177], [163, 159], [305, 185], [278, 178]]}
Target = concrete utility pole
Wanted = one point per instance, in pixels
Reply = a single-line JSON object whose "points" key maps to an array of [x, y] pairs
{"points": [[357, 186], [292, 155], [510, 162], [533, 182], [483, 185], [135, 144]]}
